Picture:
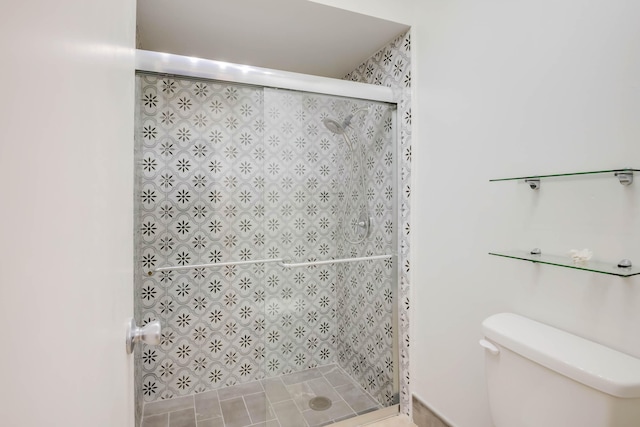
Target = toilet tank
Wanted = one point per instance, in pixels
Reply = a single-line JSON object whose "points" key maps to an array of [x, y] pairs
{"points": [[540, 376]]}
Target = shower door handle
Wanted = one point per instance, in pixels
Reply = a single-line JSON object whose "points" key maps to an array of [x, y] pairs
{"points": [[149, 334]]}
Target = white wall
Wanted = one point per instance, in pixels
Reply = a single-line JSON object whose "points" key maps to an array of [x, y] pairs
{"points": [[505, 89], [508, 89], [396, 10], [66, 168]]}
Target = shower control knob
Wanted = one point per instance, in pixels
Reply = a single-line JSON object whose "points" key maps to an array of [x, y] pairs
{"points": [[148, 334]]}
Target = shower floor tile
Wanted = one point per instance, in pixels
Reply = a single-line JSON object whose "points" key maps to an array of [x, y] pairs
{"points": [[275, 402]]}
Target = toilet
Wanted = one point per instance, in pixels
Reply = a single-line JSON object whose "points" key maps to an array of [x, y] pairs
{"points": [[540, 376]]}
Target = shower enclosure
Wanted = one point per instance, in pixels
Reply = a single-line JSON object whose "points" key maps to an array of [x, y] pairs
{"points": [[266, 242]]}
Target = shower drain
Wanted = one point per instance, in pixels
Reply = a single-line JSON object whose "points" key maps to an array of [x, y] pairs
{"points": [[320, 403]]}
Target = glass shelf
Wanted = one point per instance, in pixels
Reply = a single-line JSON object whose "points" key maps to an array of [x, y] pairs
{"points": [[560, 261], [614, 171]]}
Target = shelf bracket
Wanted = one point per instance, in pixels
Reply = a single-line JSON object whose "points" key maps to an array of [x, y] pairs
{"points": [[625, 177], [534, 183], [625, 263]]}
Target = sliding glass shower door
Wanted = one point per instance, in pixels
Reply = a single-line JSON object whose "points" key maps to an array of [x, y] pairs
{"points": [[244, 195]]}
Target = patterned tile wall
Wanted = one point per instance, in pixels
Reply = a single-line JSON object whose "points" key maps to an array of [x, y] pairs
{"points": [[391, 67], [200, 202], [366, 291], [229, 172], [320, 165]]}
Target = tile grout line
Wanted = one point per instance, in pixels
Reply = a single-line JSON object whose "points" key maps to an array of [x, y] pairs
{"points": [[193, 407], [266, 396], [333, 420], [363, 389], [333, 388], [292, 401], [164, 400], [344, 400], [246, 407], [224, 423], [211, 418], [195, 414]]}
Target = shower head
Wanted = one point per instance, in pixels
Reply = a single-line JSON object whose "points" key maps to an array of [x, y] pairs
{"points": [[340, 128], [336, 127]]}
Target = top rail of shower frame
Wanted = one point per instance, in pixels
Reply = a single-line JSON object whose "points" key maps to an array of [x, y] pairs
{"points": [[166, 63], [283, 263]]}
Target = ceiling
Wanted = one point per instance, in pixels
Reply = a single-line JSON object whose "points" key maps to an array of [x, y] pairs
{"points": [[292, 35]]}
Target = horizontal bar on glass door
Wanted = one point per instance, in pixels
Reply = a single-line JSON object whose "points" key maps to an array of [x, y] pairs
{"points": [[217, 264], [288, 264], [165, 63]]}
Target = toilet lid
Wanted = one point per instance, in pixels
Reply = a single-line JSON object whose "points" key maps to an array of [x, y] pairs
{"points": [[585, 361]]}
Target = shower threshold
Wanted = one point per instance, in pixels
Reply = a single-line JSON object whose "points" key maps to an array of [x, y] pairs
{"points": [[284, 401]]}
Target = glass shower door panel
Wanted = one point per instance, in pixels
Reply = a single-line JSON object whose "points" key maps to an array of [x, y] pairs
{"points": [[240, 208], [153, 209], [232, 173], [308, 164], [300, 223], [367, 290], [200, 202]]}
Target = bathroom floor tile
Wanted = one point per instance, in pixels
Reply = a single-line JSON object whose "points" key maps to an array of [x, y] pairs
{"points": [[234, 412], [337, 376], [184, 418], [207, 405], [161, 420], [288, 414], [399, 421], [213, 422], [274, 402], [240, 390], [169, 405], [359, 401], [258, 407], [301, 376], [276, 390]]}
